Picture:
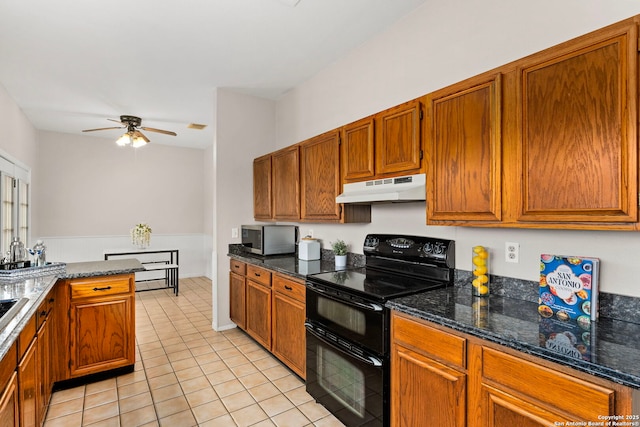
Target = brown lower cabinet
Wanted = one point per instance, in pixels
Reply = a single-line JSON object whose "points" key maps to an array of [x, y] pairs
{"points": [[270, 307], [83, 326], [444, 378], [9, 412]]}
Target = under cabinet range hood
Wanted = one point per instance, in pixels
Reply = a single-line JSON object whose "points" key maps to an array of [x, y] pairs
{"points": [[409, 188]]}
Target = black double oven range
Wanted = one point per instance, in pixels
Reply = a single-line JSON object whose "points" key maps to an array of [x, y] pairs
{"points": [[347, 323]]}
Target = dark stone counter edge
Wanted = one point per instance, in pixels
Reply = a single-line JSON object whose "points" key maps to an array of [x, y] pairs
{"points": [[580, 365], [9, 334]]}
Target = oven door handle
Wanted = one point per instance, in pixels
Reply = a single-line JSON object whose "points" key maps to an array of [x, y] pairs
{"points": [[367, 306], [369, 360]]}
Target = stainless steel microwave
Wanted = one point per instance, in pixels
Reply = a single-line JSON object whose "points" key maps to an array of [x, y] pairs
{"points": [[269, 239]]}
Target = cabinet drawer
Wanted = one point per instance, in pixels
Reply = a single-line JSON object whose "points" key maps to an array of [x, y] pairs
{"points": [[288, 287], [259, 275], [237, 267], [547, 385], [444, 346], [97, 288]]}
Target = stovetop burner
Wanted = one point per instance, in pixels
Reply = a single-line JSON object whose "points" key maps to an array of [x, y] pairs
{"points": [[396, 265]]}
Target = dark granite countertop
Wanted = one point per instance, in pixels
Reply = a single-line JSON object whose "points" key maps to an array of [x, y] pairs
{"points": [[607, 348], [36, 287], [290, 264]]}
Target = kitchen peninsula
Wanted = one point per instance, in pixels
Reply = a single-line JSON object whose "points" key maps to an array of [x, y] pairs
{"points": [[74, 324]]}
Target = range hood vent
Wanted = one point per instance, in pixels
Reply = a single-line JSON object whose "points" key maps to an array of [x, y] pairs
{"points": [[409, 188]]}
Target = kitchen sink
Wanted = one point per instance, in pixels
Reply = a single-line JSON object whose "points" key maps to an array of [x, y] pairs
{"points": [[8, 309]]}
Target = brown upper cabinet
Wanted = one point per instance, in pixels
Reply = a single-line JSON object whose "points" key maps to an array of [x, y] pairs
{"points": [[386, 144], [358, 150], [285, 169], [398, 143], [320, 182], [548, 141], [262, 206]]}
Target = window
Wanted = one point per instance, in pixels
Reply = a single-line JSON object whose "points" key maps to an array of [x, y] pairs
{"points": [[14, 196]]}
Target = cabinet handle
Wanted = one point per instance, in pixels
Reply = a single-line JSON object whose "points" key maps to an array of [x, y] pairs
{"points": [[257, 274], [52, 299], [43, 313], [102, 289], [287, 287]]}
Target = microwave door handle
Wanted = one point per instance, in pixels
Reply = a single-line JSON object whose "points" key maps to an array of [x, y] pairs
{"points": [[367, 306], [369, 360]]}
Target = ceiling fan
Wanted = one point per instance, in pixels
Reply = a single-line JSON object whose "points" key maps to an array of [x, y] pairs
{"points": [[132, 136]]}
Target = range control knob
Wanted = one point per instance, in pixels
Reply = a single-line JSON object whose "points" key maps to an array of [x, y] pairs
{"points": [[371, 242]]}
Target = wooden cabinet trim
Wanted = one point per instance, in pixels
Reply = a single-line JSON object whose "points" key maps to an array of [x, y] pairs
{"points": [[8, 364], [27, 335]]}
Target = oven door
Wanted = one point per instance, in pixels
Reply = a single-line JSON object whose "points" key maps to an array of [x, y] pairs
{"points": [[357, 320], [350, 382]]}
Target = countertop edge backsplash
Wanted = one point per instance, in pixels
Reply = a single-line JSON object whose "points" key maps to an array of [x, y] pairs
{"points": [[612, 306]]}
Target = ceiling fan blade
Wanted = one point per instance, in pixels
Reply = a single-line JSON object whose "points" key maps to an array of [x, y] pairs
{"points": [[166, 132], [114, 120], [91, 130], [141, 135]]}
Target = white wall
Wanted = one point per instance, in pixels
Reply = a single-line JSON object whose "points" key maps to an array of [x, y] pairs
{"points": [[91, 192], [442, 42], [18, 138], [245, 129]]}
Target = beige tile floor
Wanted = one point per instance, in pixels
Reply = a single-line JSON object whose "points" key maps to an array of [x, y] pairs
{"points": [[187, 374]]}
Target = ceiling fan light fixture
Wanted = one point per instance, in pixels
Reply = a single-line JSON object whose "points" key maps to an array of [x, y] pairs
{"points": [[138, 141], [125, 139]]}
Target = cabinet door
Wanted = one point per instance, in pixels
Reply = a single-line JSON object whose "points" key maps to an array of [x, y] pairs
{"points": [[286, 183], [398, 144], [237, 295], [44, 357], [358, 150], [463, 146], [9, 412], [578, 129], [259, 313], [28, 386], [289, 334], [102, 332], [320, 177], [425, 392], [262, 206]]}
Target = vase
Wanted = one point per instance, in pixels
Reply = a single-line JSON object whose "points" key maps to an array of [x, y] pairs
{"points": [[341, 261]]}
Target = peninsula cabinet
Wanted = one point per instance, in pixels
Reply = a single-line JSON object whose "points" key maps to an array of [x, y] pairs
{"points": [[320, 182], [259, 305], [262, 206], [101, 330], [288, 316], [548, 141], [446, 378], [9, 412]]}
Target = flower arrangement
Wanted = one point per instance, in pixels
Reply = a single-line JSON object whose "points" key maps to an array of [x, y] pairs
{"points": [[141, 235], [339, 247]]}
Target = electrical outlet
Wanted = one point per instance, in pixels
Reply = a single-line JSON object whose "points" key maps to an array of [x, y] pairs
{"points": [[512, 252], [234, 233]]}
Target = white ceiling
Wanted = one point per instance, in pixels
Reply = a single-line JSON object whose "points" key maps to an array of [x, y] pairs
{"points": [[72, 64]]}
